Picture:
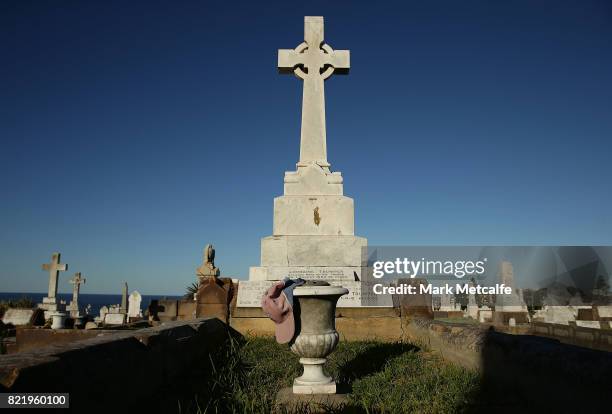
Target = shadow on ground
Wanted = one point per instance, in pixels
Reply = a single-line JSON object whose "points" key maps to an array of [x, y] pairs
{"points": [[519, 373], [531, 374], [369, 361]]}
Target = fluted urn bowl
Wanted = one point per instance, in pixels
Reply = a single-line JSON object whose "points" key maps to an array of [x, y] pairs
{"points": [[314, 310]]}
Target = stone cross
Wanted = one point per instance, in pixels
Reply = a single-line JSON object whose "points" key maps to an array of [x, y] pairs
{"points": [[76, 282], [54, 268], [313, 61]]}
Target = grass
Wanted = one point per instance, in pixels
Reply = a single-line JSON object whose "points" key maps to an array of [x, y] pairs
{"points": [[381, 377], [459, 321]]}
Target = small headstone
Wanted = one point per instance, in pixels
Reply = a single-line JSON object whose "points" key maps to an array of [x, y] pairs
{"points": [[512, 322], [213, 298], [114, 319], [445, 303], [91, 325], [485, 314], [115, 309], [103, 312], [134, 301]]}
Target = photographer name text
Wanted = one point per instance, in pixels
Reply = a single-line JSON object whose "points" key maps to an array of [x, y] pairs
{"points": [[447, 289]]}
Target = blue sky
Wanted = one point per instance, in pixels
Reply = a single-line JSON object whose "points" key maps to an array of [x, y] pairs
{"points": [[133, 133]]}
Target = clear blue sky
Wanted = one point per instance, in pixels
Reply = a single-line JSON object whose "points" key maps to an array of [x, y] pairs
{"points": [[133, 133]]}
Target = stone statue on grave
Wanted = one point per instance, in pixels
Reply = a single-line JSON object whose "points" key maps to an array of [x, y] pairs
{"points": [[208, 269]]}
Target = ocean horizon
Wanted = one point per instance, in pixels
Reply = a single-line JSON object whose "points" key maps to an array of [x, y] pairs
{"points": [[96, 300]]}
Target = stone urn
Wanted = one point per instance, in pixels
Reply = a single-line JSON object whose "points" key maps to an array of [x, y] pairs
{"points": [[314, 309]]}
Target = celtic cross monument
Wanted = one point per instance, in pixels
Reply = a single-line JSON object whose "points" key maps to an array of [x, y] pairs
{"points": [[313, 226]]}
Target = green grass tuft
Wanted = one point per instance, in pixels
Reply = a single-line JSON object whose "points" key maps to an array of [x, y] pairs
{"points": [[381, 377]]}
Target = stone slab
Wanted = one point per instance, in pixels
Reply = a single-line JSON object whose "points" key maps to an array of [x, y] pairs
{"points": [[588, 324], [315, 389], [604, 312], [21, 316], [102, 368], [313, 215], [114, 319], [311, 180], [351, 329], [345, 312], [312, 251], [306, 272], [287, 401], [250, 293]]}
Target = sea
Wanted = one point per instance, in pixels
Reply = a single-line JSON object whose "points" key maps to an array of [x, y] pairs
{"points": [[95, 300]]}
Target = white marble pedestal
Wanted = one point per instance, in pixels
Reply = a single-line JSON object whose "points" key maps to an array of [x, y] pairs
{"points": [[313, 380]]}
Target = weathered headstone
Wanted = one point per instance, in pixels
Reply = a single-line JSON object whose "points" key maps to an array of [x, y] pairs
{"points": [[124, 295], [103, 312], [50, 303], [445, 303], [589, 324], [76, 281], [114, 319], [23, 316], [511, 305], [472, 308], [559, 315], [91, 325], [134, 301], [485, 314], [213, 298], [604, 312]]}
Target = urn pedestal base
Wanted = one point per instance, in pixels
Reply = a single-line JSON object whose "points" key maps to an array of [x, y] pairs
{"points": [[313, 380]]}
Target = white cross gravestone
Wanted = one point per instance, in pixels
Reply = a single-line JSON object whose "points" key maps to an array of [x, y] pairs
{"points": [[50, 303], [313, 225], [76, 287], [134, 301], [313, 61]]}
